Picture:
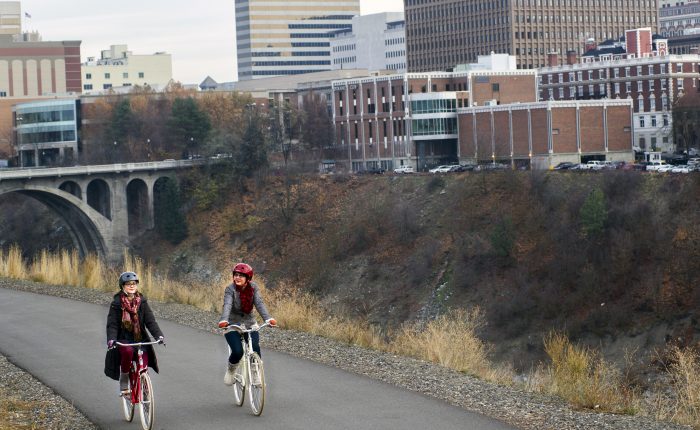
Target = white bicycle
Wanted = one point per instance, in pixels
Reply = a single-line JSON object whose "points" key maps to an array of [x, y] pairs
{"points": [[250, 374]]}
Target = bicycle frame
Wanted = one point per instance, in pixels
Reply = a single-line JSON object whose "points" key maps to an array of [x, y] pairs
{"points": [[246, 382], [137, 368]]}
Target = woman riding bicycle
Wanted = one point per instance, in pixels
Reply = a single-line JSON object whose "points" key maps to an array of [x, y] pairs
{"points": [[128, 318], [239, 299]]}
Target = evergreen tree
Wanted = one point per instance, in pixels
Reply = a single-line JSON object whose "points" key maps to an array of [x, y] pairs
{"points": [[593, 214], [189, 126], [251, 154]]}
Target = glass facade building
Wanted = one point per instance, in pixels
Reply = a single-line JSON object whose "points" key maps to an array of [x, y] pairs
{"points": [[46, 132], [288, 38]]}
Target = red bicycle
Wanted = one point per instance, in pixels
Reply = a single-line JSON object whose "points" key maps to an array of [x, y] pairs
{"points": [[141, 389]]}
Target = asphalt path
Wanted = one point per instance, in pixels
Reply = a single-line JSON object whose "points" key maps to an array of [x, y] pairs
{"points": [[62, 343]]}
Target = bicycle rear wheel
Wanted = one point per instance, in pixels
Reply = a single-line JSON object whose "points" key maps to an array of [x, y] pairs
{"points": [[239, 384], [148, 405], [257, 384]]}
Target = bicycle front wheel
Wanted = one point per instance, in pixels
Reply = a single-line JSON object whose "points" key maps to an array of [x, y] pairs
{"points": [[148, 405], [239, 384], [127, 407], [257, 384]]}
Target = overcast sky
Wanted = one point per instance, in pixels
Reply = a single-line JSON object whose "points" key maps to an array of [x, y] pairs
{"points": [[200, 35]]}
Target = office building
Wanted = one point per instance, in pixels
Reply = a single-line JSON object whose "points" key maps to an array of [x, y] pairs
{"points": [[118, 69], [374, 42], [288, 38], [680, 19], [443, 33], [11, 18]]}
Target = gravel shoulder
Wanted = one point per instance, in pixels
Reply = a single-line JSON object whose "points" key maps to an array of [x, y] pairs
{"points": [[519, 408]]}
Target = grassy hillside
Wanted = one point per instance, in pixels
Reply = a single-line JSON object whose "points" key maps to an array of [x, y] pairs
{"points": [[610, 259]]}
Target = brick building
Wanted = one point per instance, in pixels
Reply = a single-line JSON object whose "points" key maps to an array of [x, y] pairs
{"points": [[443, 33], [543, 134], [392, 120], [643, 73]]}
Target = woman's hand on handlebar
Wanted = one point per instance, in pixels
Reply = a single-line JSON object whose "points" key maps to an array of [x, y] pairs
{"points": [[272, 322], [223, 324]]}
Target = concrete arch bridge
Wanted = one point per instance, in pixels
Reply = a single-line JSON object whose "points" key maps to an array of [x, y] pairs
{"points": [[103, 205]]}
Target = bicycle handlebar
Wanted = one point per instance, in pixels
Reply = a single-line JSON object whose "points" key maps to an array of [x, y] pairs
{"points": [[137, 343], [241, 329]]}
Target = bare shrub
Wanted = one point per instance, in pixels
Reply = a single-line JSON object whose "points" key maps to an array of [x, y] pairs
{"points": [[684, 408], [450, 340], [582, 377]]}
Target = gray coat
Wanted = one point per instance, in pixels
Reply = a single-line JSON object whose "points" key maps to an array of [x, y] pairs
{"points": [[232, 307]]}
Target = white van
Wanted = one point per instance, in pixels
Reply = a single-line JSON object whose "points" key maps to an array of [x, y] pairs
{"points": [[404, 169]]}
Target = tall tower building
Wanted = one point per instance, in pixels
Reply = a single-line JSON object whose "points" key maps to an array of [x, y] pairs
{"points": [[443, 33], [275, 38]]}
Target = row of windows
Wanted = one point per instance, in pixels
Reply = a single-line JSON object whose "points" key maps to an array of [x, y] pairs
{"points": [[125, 75], [45, 116], [395, 41], [652, 121], [434, 126], [291, 63], [433, 106], [47, 136], [310, 44], [579, 93], [276, 72], [397, 66], [603, 19], [342, 48], [345, 60], [324, 26], [585, 3], [394, 54]]}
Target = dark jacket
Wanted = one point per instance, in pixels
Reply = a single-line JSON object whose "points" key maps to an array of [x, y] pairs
{"points": [[115, 331]]}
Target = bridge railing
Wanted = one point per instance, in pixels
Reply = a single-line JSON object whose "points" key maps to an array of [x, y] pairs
{"points": [[47, 172]]}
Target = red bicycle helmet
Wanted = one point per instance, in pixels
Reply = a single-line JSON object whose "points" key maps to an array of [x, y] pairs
{"points": [[244, 269]]}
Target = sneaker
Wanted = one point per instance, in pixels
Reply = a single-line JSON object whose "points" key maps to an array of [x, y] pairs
{"points": [[229, 375]]}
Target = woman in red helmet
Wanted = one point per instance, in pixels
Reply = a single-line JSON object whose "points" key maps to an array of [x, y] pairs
{"points": [[239, 299]]}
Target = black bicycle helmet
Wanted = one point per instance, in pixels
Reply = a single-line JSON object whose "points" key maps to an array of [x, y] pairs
{"points": [[127, 276]]}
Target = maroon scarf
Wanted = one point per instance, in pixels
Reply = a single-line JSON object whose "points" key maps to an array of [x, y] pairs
{"points": [[246, 294], [130, 316]]}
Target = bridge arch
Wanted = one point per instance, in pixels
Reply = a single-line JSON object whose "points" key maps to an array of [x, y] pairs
{"points": [[137, 204], [98, 197], [87, 234], [72, 187]]}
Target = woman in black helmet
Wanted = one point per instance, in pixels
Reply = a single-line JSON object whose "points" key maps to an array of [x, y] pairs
{"points": [[128, 318]]}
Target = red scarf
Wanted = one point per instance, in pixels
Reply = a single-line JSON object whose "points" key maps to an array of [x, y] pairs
{"points": [[130, 316], [246, 294]]}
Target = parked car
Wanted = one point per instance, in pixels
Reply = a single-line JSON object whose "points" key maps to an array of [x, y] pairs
{"points": [[694, 161], [404, 169], [665, 168], [682, 168], [441, 169], [593, 165], [654, 166], [566, 165], [465, 168]]}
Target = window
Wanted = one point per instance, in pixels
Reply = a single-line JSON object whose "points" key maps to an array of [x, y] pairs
{"points": [[88, 76], [125, 75], [87, 86], [3, 93], [641, 121], [107, 75], [106, 86], [141, 74], [653, 120]]}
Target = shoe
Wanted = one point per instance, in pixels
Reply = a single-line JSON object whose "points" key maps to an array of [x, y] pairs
{"points": [[124, 383], [229, 375]]}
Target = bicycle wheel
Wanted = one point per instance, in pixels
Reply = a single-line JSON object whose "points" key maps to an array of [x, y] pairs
{"points": [[148, 405], [127, 407], [257, 384], [239, 384]]}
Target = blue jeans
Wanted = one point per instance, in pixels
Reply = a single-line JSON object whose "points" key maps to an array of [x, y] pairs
{"points": [[234, 341]]}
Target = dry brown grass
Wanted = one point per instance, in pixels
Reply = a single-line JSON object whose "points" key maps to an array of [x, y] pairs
{"points": [[684, 406], [15, 414], [582, 377]]}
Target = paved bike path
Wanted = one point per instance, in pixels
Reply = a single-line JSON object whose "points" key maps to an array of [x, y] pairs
{"points": [[62, 343]]}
